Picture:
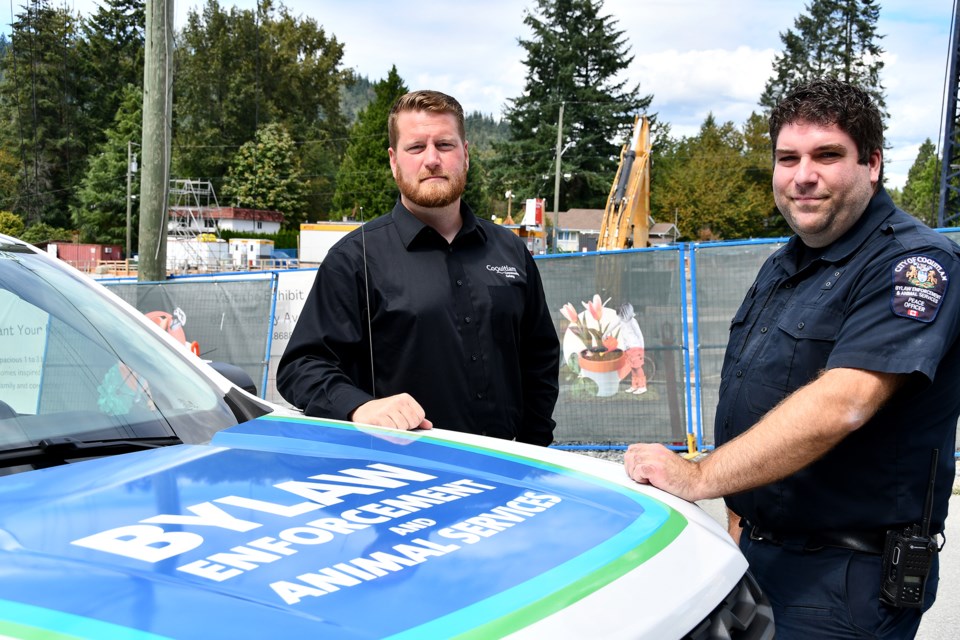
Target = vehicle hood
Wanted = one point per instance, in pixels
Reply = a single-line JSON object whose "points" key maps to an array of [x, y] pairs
{"points": [[295, 526]]}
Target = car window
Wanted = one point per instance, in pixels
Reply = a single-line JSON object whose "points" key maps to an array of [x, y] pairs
{"points": [[74, 364]]}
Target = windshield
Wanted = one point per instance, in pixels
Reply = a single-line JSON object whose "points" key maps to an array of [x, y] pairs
{"points": [[73, 364]]}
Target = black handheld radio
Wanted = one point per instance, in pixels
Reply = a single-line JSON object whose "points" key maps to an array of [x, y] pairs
{"points": [[908, 556]]}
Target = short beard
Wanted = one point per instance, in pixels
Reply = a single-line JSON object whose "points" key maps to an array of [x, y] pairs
{"points": [[433, 196]]}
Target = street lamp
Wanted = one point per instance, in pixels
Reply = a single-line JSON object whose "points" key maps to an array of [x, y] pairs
{"points": [[131, 169]]}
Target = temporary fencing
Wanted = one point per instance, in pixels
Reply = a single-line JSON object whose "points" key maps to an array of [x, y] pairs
{"points": [[227, 319], [642, 331]]}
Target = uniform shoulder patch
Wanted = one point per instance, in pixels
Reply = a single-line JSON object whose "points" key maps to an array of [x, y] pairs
{"points": [[919, 285]]}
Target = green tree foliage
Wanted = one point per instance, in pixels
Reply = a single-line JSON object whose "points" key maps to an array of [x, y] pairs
{"points": [[266, 174], [364, 179], [237, 70], [574, 58], [11, 224], [482, 192], [715, 184], [10, 172], [43, 232], [41, 85], [101, 210], [111, 52], [921, 192], [835, 38]]}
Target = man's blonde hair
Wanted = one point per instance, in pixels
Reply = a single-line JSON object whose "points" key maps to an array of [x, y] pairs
{"points": [[430, 101]]}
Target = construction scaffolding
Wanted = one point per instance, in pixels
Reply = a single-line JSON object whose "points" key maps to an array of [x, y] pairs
{"points": [[193, 236]]}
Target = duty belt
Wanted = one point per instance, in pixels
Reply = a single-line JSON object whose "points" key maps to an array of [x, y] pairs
{"points": [[862, 541]]}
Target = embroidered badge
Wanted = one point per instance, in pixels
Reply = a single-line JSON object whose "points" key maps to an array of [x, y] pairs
{"points": [[919, 284], [506, 271]]}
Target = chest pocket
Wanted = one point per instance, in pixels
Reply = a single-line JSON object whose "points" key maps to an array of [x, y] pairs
{"points": [[737, 336], [506, 309], [807, 337]]}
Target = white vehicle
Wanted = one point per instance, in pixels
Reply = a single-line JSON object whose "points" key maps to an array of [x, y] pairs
{"points": [[143, 495]]}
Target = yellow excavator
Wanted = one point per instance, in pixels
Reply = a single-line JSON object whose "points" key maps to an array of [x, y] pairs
{"points": [[626, 219]]}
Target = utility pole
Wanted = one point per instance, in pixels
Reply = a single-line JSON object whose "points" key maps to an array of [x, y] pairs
{"points": [[131, 169], [155, 146], [949, 210], [556, 179]]}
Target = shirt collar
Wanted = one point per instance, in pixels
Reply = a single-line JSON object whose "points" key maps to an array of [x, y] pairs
{"points": [[412, 230]]}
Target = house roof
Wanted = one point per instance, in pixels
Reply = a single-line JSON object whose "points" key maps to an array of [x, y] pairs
{"points": [[664, 229], [583, 220], [231, 213]]}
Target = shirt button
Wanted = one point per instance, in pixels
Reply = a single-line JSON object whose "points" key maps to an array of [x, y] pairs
{"points": [[799, 325], [474, 357], [788, 286], [479, 396], [467, 320], [740, 373], [763, 330], [459, 283]]}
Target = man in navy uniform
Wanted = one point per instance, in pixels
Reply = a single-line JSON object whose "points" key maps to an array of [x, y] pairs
{"points": [[841, 377]]}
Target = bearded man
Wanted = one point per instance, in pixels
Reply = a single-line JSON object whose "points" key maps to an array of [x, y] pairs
{"points": [[428, 316]]}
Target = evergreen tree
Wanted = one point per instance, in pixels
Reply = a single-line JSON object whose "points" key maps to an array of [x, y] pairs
{"points": [[101, 210], [111, 52], [573, 59], [836, 38], [364, 179], [266, 175], [921, 192], [40, 86]]}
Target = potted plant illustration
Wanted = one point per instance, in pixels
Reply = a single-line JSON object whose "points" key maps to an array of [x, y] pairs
{"points": [[600, 359]]}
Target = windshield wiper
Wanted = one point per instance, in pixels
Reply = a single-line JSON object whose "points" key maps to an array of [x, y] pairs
{"points": [[51, 452]]}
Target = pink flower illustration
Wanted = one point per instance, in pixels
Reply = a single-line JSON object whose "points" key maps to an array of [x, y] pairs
{"points": [[595, 336]]}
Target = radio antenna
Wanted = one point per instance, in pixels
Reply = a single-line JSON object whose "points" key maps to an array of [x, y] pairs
{"points": [[928, 503], [366, 287]]}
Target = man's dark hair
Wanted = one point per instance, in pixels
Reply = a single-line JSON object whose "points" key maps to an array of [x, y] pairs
{"points": [[431, 101], [829, 101]]}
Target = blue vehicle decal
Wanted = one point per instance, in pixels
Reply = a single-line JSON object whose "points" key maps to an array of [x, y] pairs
{"points": [[304, 524]]}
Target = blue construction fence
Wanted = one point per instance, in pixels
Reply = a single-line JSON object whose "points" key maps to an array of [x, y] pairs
{"points": [[643, 332]]}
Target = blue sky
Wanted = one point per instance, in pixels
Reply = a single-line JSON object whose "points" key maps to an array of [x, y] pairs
{"points": [[695, 57]]}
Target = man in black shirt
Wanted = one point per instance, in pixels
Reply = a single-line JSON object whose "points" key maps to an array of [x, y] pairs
{"points": [[427, 316]]}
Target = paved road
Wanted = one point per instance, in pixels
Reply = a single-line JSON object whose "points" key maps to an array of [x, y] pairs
{"points": [[942, 622]]}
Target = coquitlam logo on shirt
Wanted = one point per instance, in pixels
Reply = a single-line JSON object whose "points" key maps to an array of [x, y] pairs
{"points": [[505, 271]]}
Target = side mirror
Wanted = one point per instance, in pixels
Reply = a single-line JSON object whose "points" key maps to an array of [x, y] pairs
{"points": [[236, 375]]}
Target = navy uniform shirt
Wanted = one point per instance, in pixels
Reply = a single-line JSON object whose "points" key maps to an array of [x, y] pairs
{"points": [[463, 327], [880, 298]]}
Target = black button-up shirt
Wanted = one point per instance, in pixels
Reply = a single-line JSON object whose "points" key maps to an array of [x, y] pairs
{"points": [[880, 298], [463, 327]]}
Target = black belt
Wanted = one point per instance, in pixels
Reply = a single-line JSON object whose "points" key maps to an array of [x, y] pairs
{"points": [[862, 541]]}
